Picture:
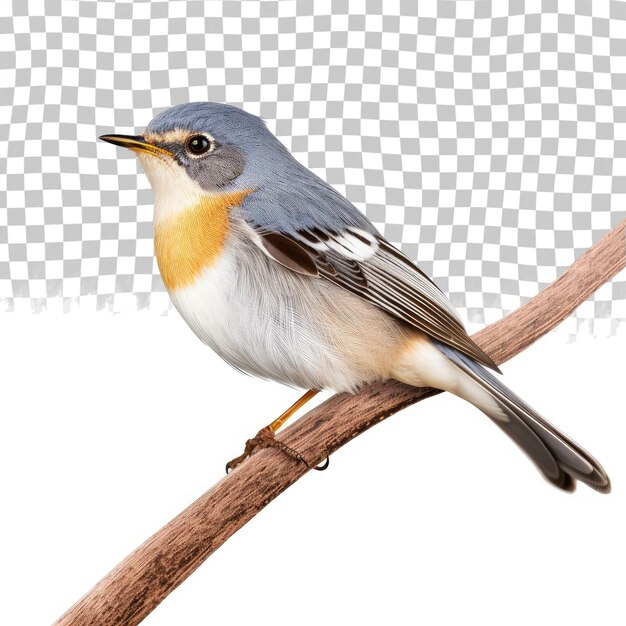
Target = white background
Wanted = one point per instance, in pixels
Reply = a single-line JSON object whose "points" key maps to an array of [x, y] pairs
{"points": [[113, 424]]}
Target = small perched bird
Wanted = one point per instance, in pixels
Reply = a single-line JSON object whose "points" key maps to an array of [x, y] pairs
{"points": [[285, 279]]}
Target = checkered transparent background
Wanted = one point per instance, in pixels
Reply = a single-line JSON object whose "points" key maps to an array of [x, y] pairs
{"points": [[488, 139]]}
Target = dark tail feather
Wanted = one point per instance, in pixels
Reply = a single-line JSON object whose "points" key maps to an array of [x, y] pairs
{"points": [[559, 459]]}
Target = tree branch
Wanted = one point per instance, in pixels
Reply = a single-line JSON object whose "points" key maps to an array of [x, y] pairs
{"points": [[144, 578]]}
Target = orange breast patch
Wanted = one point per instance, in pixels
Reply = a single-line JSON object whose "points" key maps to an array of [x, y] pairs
{"points": [[192, 240]]}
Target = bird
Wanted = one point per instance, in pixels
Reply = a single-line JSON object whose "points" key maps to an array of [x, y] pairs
{"points": [[285, 279]]}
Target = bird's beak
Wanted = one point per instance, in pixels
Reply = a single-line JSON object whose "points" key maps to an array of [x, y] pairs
{"points": [[136, 143]]}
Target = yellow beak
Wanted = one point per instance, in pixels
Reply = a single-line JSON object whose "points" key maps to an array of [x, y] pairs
{"points": [[135, 142]]}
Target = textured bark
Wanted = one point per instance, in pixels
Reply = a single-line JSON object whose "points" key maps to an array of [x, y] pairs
{"points": [[142, 580]]}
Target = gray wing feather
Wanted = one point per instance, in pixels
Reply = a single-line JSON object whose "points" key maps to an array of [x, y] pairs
{"points": [[313, 232]]}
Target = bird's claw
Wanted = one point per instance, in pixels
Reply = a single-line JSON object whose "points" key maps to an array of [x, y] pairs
{"points": [[265, 438]]}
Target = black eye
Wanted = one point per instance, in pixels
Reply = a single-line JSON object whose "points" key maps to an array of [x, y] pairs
{"points": [[198, 144]]}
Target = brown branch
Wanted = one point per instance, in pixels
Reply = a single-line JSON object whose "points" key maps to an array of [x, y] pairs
{"points": [[144, 578]]}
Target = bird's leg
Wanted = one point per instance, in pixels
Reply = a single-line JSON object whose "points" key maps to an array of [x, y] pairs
{"points": [[283, 417], [265, 438]]}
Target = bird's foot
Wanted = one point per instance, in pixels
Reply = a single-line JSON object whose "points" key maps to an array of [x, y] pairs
{"points": [[266, 438]]}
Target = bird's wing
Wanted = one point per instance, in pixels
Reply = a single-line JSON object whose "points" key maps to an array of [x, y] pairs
{"points": [[354, 256]]}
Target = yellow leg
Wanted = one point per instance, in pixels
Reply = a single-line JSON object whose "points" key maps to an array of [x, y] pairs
{"points": [[283, 417]]}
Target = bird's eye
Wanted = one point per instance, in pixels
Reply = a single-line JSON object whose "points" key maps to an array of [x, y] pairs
{"points": [[198, 145]]}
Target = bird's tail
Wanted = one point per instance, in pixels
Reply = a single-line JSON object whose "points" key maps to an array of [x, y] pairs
{"points": [[428, 362], [558, 458]]}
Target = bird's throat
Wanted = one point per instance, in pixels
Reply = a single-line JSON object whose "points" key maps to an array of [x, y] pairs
{"points": [[192, 239]]}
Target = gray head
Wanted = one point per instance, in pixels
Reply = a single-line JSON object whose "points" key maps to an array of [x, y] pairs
{"points": [[218, 145]]}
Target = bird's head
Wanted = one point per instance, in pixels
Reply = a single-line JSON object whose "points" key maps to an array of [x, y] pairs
{"points": [[201, 149]]}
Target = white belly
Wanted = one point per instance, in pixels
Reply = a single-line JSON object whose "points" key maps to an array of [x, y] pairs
{"points": [[270, 322]]}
